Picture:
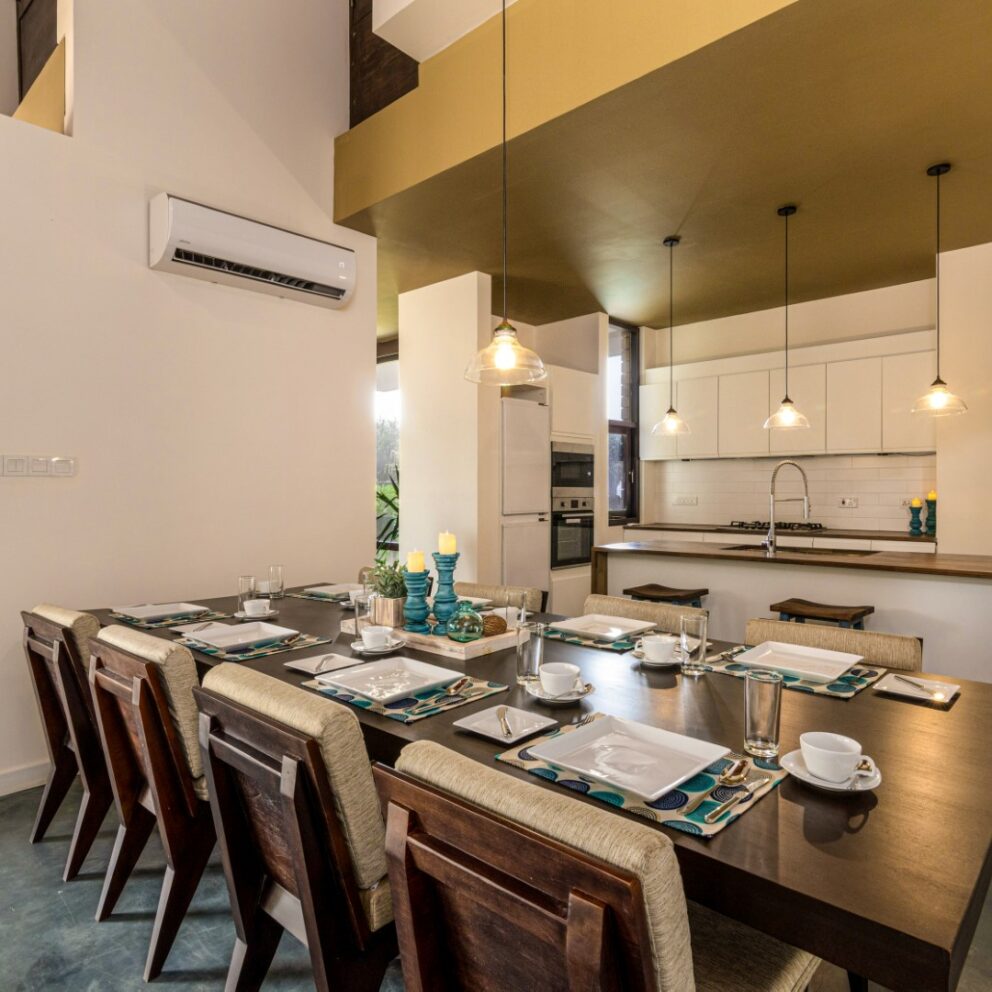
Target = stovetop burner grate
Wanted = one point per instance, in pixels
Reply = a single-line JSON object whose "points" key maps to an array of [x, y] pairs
{"points": [[782, 525]]}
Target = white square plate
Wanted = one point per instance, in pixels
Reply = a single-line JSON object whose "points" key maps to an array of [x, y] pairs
{"points": [[898, 688], [630, 756], [159, 611], [476, 602], [811, 664], [322, 663], [522, 723], [599, 627], [243, 637], [391, 678], [339, 590]]}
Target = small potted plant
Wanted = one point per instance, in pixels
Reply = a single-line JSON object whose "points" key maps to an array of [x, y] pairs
{"points": [[390, 594]]}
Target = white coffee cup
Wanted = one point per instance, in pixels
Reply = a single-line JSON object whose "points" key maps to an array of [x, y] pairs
{"points": [[658, 648], [834, 757], [257, 607], [558, 677], [376, 637]]}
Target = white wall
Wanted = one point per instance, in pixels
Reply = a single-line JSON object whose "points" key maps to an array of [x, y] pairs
{"points": [[422, 28], [8, 56], [217, 430]]}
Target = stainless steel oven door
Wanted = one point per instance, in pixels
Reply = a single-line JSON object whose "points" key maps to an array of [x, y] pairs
{"points": [[571, 539]]}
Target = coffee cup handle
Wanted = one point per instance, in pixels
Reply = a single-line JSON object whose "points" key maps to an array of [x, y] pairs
{"points": [[866, 772], [639, 644]]}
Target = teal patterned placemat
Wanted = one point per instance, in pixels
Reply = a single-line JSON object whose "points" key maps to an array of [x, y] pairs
{"points": [[664, 810], [587, 642], [845, 687], [170, 621], [401, 709], [305, 641]]}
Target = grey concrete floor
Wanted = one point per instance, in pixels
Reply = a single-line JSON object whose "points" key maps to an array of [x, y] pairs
{"points": [[50, 942]]}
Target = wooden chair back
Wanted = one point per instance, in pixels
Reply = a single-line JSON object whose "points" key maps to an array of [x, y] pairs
{"points": [[486, 904], [283, 848]]}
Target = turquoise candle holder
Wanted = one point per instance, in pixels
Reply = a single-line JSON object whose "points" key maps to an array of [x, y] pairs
{"points": [[445, 599], [416, 610], [931, 517], [915, 524]]}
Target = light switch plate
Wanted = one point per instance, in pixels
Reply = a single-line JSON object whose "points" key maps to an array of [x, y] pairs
{"points": [[850, 502], [685, 501], [63, 466], [39, 465], [15, 464]]}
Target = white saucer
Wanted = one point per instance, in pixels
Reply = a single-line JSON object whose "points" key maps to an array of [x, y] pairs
{"points": [[794, 764], [674, 662], [536, 690], [241, 615], [522, 724], [359, 647]]}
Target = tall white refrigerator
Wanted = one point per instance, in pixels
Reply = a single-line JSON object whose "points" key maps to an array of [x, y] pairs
{"points": [[525, 498]]}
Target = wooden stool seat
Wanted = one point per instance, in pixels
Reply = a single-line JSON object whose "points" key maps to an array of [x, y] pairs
{"points": [[802, 610], [655, 593]]}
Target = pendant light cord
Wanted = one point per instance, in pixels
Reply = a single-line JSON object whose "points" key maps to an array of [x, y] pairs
{"points": [[937, 267], [504, 160], [671, 327], [786, 306]]}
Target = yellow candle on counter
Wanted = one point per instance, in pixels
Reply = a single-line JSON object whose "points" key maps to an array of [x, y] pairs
{"points": [[446, 543], [916, 501], [932, 494], [415, 561]]}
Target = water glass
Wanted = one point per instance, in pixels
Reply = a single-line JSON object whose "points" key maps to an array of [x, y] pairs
{"points": [[762, 712], [277, 587], [693, 629], [530, 651], [246, 590], [363, 611]]}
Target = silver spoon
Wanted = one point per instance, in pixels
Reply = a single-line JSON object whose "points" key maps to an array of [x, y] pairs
{"points": [[733, 774]]}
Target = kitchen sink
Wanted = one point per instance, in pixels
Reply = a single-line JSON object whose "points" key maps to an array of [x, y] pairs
{"points": [[823, 552]]}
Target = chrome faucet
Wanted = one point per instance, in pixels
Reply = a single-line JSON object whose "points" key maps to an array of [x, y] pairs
{"points": [[769, 543]]}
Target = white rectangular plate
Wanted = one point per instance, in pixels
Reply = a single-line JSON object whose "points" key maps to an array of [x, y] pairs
{"points": [[339, 590], [811, 664], [890, 684], [599, 627], [522, 723], [159, 611], [391, 678], [631, 756], [244, 637]]}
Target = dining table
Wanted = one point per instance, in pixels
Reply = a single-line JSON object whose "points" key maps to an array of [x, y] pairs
{"points": [[888, 884]]}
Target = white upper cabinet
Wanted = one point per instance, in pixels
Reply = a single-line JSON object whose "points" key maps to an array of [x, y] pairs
{"points": [[904, 378], [577, 406], [698, 403], [743, 412], [808, 390], [652, 405], [854, 405]]}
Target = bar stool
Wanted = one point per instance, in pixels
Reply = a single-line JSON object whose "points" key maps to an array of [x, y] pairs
{"points": [[801, 610], [652, 592]]}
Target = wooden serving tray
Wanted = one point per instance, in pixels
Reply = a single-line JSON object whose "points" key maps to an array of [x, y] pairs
{"points": [[447, 648]]}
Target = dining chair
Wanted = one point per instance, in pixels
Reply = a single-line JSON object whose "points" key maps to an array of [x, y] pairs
{"points": [[662, 615], [299, 828], [142, 689], [56, 644], [898, 651], [500, 884], [536, 599]]}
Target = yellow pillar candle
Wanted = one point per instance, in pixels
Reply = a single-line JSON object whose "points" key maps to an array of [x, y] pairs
{"points": [[446, 543], [932, 494], [916, 501], [415, 561]]}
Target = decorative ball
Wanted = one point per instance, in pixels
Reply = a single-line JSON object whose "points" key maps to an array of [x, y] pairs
{"points": [[493, 625], [464, 624]]}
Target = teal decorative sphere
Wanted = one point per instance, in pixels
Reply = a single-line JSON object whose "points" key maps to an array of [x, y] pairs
{"points": [[464, 624]]}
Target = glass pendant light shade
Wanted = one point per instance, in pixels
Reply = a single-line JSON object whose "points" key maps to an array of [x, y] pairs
{"points": [[787, 418], [671, 423], [939, 401], [505, 361]]}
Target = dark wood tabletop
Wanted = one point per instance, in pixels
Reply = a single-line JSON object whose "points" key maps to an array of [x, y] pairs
{"points": [[888, 884]]}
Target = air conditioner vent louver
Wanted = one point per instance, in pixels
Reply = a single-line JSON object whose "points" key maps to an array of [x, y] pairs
{"points": [[261, 275]]}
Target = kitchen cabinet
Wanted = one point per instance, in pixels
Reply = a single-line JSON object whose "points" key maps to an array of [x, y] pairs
{"points": [[698, 403], [652, 406], [904, 378], [743, 410], [577, 408], [569, 589], [808, 390], [854, 405]]}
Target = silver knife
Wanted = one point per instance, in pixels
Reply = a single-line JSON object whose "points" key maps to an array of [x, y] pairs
{"points": [[504, 724], [749, 789]]}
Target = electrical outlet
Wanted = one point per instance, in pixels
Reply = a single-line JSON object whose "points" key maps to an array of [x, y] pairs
{"points": [[685, 501], [850, 502], [907, 501]]}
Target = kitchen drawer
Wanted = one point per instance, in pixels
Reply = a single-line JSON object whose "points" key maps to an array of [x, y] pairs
{"points": [[842, 543], [920, 547], [791, 541]]}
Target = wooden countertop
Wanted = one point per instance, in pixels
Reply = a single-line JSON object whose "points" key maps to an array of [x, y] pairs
{"points": [[827, 532], [957, 566]]}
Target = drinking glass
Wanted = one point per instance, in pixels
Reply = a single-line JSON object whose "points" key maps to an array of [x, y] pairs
{"points": [[762, 711], [365, 578], [530, 651], [277, 587], [246, 590], [363, 612], [693, 661]]}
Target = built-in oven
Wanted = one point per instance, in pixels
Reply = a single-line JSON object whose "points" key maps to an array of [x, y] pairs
{"points": [[571, 470], [571, 531]]}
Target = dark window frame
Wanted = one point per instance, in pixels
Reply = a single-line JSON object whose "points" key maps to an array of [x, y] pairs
{"points": [[630, 430]]}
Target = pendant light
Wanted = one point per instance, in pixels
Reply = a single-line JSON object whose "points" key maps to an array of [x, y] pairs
{"points": [[787, 417], [505, 361], [938, 400], [671, 423]]}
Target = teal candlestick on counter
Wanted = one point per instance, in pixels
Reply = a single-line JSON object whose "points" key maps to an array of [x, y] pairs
{"points": [[931, 517], [445, 600], [416, 610], [915, 524]]}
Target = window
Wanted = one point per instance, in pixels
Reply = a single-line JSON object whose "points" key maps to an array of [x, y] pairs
{"points": [[621, 409], [387, 456]]}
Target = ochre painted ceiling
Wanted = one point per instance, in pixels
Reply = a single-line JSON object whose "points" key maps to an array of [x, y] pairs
{"points": [[837, 106]]}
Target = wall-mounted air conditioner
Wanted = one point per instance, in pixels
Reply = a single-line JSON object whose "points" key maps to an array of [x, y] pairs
{"points": [[210, 244]]}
